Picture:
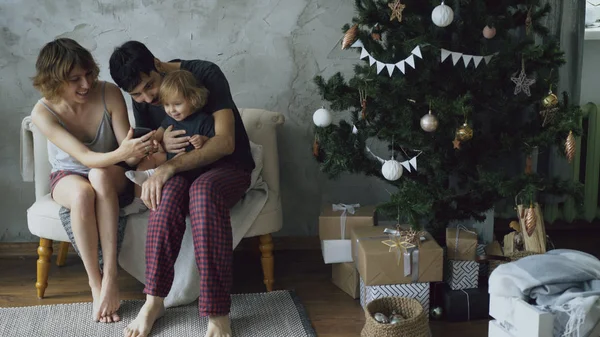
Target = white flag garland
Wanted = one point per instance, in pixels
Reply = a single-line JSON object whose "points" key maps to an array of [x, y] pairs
{"points": [[410, 60], [456, 57]]}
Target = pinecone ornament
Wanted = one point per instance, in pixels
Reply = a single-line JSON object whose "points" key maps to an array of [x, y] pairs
{"points": [[350, 37], [570, 147], [530, 220]]}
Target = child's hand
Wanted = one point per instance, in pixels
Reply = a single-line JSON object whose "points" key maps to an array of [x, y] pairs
{"points": [[198, 141]]}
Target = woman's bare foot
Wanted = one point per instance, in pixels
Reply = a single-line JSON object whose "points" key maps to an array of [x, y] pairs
{"points": [[152, 310], [96, 303], [109, 302], [218, 326]]}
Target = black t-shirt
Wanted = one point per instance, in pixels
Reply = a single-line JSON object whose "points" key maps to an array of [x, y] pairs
{"points": [[199, 123], [219, 98]]}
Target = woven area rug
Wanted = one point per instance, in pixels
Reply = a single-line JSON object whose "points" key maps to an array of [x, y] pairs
{"points": [[274, 314]]}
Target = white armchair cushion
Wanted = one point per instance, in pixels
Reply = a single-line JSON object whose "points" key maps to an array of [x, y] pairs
{"points": [[257, 155], [43, 220]]}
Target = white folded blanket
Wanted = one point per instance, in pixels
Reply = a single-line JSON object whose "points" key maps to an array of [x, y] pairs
{"points": [[562, 281]]}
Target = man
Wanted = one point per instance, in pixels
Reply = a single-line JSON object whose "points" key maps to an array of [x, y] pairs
{"points": [[205, 182]]}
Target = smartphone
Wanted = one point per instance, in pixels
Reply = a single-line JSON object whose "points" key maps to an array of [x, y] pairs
{"points": [[139, 132]]}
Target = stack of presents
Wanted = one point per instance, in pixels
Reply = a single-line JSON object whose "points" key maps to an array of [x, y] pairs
{"points": [[370, 261]]}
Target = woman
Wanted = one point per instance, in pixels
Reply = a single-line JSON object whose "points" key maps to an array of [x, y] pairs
{"points": [[90, 139]]}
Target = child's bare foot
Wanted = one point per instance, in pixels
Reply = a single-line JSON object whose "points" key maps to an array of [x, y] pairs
{"points": [[218, 326], [152, 310], [109, 302]]}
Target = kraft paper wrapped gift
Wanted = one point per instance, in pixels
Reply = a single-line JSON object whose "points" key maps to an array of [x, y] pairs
{"points": [[462, 274], [418, 291], [461, 244], [335, 223], [379, 264], [345, 277]]}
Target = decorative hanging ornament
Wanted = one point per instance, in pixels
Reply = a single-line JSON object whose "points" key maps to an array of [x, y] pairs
{"points": [[464, 133], [550, 101], [550, 104], [376, 32], [316, 147], [489, 32], [350, 37], [363, 103], [570, 147], [397, 7], [392, 170], [429, 122], [442, 15], [522, 83], [530, 221], [456, 144], [322, 118]]}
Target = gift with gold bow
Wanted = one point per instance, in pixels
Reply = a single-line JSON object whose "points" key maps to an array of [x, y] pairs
{"points": [[396, 255]]}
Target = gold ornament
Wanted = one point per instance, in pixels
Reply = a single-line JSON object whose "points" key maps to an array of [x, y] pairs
{"points": [[350, 36], [464, 133], [550, 101], [397, 9], [570, 147], [530, 220]]}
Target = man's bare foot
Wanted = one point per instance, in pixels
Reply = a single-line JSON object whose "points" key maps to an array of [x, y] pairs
{"points": [[109, 302], [152, 310], [218, 326]]}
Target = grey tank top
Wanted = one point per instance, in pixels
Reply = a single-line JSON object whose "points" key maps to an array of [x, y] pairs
{"points": [[105, 141]]}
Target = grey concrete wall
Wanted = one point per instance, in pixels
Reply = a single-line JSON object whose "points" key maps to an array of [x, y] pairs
{"points": [[269, 50]]}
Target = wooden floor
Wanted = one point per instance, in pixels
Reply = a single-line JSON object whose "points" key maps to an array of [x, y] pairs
{"points": [[331, 311]]}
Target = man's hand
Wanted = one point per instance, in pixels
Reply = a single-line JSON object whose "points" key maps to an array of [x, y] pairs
{"points": [[198, 141], [152, 187], [173, 141]]}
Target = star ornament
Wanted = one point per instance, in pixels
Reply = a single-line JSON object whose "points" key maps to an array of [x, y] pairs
{"points": [[397, 9], [522, 83]]}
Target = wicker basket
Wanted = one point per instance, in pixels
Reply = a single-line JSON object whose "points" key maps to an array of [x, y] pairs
{"points": [[511, 257], [415, 324]]}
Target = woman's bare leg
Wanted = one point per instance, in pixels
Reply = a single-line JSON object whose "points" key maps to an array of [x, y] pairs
{"points": [[108, 183], [77, 194]]}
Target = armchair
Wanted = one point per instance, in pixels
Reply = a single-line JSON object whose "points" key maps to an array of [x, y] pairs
{"points": [[257, 214]]}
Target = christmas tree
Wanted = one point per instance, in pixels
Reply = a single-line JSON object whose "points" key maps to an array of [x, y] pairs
{"points": [[458, 90]]}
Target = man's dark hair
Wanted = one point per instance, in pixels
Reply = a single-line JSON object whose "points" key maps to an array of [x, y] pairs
{"points": [[128, 62]]}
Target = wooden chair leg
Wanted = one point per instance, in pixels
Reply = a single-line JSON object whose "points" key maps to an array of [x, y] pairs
{"points": [[62, 253], [43, 265], [268, 265]]}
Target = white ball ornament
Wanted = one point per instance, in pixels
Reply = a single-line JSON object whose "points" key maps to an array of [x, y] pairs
{"points": [[442, 15], [392, 170], [322, 118]]}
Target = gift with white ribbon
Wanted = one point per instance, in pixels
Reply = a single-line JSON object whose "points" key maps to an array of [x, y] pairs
{"points": [[335, 224]]}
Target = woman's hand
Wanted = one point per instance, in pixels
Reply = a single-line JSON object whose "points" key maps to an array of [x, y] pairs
{"points": [[137, 147]]}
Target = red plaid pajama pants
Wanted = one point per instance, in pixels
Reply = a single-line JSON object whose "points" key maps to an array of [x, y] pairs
{"points": [[208, 197]]}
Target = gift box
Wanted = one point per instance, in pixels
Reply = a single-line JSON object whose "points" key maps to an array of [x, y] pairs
{"points": [[418, 291], [335, 223], [466, 304], [461, 244], [519, 318], [345, 277], [495, 329], [483, 267], [380, 264], [462, 274]]}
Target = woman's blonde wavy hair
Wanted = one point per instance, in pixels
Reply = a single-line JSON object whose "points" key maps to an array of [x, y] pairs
{"points": [[54, 63]]}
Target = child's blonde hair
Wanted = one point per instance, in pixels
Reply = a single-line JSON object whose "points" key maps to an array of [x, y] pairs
{"points": [[183, 82]]}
